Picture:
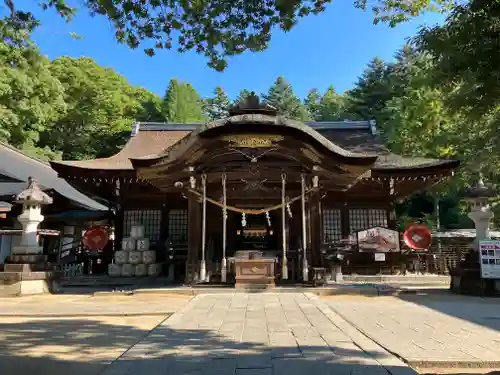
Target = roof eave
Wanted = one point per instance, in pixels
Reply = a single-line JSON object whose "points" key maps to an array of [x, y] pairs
{"points": [[442, 165]]}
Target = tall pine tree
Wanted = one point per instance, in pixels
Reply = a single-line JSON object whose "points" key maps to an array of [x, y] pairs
{"points": [[312, 103], [282, 97], [182, 103], [331, 106], [242, 96], [218, 106], [368, 99]]}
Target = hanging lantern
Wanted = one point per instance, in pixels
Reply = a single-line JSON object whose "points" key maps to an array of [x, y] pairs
{"points": [[192, 182], [268, 218], [243, 220]]}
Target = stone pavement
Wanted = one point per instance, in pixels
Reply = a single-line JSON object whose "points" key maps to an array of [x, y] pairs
{"points": [[59, 305], [255, 334], [439, 331]]}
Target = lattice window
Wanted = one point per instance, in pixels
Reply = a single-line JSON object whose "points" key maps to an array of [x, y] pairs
{"points": [[332, 225], [151, 219], [178, 226], [365, 218]]}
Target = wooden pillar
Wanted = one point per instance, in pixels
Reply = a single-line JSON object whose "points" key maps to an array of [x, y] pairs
{"points": [[118, 216], [316, 232], [284, 265], [305, 265], [194, 237]]}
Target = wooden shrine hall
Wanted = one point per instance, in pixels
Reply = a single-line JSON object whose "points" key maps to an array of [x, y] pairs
{"points": [[245, 197]]}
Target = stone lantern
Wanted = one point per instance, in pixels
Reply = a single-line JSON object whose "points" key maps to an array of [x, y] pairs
{"points": [[478, 198], [466, 276], [26, 270], [32, 199]]}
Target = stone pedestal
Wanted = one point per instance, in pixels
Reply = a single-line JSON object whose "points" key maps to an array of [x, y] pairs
{"points": [[28, 278]]}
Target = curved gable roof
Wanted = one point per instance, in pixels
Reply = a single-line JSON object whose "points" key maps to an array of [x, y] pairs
{"points": [[258, 120], [150, 139]]}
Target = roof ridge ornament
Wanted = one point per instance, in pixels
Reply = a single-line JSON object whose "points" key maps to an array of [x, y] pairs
{"points": [[252, 105]]}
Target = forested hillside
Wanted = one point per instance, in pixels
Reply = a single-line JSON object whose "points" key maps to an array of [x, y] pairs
{"points": [[75, 109]]}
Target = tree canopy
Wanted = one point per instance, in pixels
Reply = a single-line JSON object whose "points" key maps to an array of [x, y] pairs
{"points": [[466, 49], [216, 29], [434, 99]]}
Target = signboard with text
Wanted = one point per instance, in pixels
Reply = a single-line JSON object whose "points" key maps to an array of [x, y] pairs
{"points": [[489, 259]]}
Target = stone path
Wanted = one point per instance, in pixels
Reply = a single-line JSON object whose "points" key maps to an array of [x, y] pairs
{"points": [[250, 334], [429, 331]]}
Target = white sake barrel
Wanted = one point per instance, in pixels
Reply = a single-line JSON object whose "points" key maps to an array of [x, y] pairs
{"points": [[137, 231], [128, 270], [141, 270], [149, 257], [142, 244], [114, 270], [121, 257], [128, 243], [154, 269], [135, 257]]}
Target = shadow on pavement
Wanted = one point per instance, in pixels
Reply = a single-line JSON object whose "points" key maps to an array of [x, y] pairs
{"points": [[482, 311], [87, 346]]}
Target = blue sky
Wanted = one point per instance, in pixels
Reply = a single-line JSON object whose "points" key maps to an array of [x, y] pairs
{"points": [[330, 49]]}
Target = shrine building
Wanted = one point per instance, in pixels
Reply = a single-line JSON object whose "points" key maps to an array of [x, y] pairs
{"points": [[252, 183]]}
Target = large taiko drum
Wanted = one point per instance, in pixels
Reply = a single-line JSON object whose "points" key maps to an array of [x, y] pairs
{"points": [[418, 237]]}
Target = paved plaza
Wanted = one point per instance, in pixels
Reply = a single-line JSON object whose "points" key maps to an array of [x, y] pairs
{"points": [[247, 334], [439, 330], [255, 334]]}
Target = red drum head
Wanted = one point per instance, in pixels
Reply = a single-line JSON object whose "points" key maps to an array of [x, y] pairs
{"points": [[95, 238], [418, 237]]}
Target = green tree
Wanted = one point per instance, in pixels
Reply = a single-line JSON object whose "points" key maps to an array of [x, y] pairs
{"points": [[218, 29], [312, 103], [30, 97], [182, 103], [100, 108], [218, 106], [368, 99], [281, 96], [466, 50], [331, 106], [242, 96]]}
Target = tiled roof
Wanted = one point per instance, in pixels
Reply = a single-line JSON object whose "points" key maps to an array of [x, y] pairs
{"points": [[142, 144], [20, 167], [349, 137]]}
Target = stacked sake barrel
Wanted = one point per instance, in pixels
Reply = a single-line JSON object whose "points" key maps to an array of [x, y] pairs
{"points": [[135, 258]]}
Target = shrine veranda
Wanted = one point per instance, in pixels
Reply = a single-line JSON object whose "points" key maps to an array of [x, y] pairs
{"points": [[255, 186]]}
